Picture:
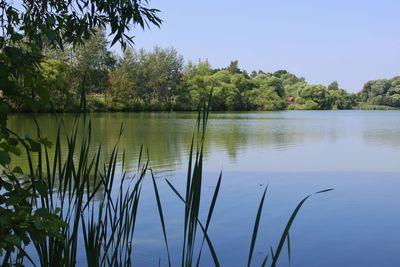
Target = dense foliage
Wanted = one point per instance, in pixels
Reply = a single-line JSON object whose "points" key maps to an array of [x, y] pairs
{"points": [[382, 92], [90, 77], [29, 79]]}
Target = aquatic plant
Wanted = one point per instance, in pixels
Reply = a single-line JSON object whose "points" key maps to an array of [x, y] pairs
{"points": [[83, 202]]}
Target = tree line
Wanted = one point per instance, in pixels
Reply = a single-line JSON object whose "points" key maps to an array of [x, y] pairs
{"points": [[90, 77]]}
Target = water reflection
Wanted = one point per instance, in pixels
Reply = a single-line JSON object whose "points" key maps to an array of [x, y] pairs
{"points": [[383, 137], [302, 140], [355, 152]]}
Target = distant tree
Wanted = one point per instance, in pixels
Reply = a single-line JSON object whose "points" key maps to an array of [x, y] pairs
{"points": [[226, 95], [163, 71], [341, 99], [317, 94], [123, 78], [333, 86], [269, 81], [291, 83], [376, 92], [91, 63], [196, 85], [233, 67], [54, 73], [152, 78], [268, 99], [279, 73]]}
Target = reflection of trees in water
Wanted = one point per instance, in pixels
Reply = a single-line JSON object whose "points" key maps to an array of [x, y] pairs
{"points": [[235, 133], [164, 136], [167, 136], [382, 137]]}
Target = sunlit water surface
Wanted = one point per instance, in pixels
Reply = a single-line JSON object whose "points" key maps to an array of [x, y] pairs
{"points": [[297, 153]]}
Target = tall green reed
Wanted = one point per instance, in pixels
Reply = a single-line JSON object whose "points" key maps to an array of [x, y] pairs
{"points": [[100, 210], [99, 204], [192, 200]]}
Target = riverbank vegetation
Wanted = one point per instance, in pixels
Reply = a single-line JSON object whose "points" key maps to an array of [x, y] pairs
{"points": [[92, 78]]}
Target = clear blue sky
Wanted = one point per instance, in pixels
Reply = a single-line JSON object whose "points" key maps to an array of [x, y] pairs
{"points": [[350, 41]]}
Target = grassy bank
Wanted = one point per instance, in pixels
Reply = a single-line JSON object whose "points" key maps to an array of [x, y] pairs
{"points": [[368, 106]]}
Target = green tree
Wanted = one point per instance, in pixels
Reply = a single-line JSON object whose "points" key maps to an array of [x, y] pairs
{"points": [[341, 99], [279, 73], [226, 96], [151, 78], [272, 82], [317, 94], [233, 67], [94, 60], [26, 29], [90, 65], [196, 86], [381, 92], [162, 73], [268, 99], [333, 86], [54, 74], [122, 79]]}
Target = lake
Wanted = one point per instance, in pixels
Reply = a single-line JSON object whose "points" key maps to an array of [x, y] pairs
{"points": [[295, 152]]}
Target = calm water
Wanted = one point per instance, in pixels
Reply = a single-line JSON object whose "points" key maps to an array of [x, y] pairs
{"points": [[355, 152]]}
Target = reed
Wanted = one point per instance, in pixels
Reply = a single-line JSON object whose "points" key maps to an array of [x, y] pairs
{"points": [[98, 204], [99, 209]]}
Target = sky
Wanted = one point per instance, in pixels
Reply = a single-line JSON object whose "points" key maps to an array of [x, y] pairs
{"points": [[350, 41]]}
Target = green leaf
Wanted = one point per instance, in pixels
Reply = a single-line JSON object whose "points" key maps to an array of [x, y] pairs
{"points": [[35, 146], [6, 185], [13, 200], [39, 225], [42, 212], [10, 148], [13, 239], [37, 235], [4, 158], [40, 187], [17, 170]]}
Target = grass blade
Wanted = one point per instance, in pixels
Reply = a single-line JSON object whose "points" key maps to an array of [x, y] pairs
{"points": [[210, 212], [160, 212], [256, 225], [289, 224]]}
